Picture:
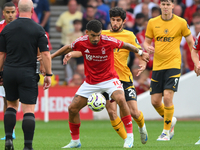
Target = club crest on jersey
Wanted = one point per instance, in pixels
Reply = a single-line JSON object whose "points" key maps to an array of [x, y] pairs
{"points": [[166, 31], [103, 50]]}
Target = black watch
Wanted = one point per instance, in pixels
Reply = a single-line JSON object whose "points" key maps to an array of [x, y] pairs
{"points": [[49, 74]]}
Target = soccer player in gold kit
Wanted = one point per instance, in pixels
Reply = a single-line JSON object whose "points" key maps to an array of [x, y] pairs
{"points": [[117, 19], [167, 31]]}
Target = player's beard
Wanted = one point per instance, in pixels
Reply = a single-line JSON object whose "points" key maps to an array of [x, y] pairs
{"points": [[117, 29]]}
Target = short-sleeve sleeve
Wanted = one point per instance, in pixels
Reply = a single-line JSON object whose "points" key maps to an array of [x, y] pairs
{"points": [[197, 43], [43, 41], [149, 30], [115, 43], [134, 41], [185, 29], [76, 46]]}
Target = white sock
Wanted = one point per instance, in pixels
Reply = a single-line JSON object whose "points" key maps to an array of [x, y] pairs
{"points": [[76, 140], [130, 135], [166, 132]]}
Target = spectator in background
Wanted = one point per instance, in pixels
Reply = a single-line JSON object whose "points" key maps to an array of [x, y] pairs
{"points": [[139, 22], [111, 3], [133, 4], [105, 8], [195, 20], [88, 15], [190, 11], [155, 11], [80, 69], [42, 10], [99, 14], [145, 10], [188, 63], [182, 4], [143, 82], [138, 8], [71, 65], [64, 24], [129, 23], [178, 10], [76, 80], [2, 2]]}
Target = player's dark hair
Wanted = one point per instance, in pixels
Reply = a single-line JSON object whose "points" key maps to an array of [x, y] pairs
{"points": [[139, 16], [156, 9], [94, 25], [76, 21], [166, 1], [196, 14], [117, 11], [8, 4]]}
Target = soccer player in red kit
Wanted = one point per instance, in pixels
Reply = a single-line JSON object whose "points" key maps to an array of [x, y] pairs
{"points": [[101, 76], [195, 58]]}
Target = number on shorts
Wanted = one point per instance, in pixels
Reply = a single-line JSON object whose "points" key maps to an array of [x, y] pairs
{"points": [[131, 93]]}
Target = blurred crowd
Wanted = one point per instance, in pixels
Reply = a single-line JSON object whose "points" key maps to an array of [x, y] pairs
{"points": [[72, 24]]}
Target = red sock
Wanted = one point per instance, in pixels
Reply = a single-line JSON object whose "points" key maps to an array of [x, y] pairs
{"points": [[127, 120], [74, 130]]}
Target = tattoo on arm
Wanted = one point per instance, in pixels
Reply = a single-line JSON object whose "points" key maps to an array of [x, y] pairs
{"points": [[130, 47]]}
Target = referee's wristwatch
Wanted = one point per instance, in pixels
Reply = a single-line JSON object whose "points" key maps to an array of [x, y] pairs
{"points": [[49, 74]]}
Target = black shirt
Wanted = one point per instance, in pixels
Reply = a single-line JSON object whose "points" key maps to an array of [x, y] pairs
{"points": [[20, 40]]}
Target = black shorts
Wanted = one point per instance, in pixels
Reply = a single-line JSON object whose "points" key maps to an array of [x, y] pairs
{"points": [[164, 79], [129, 90], [21, 83]]}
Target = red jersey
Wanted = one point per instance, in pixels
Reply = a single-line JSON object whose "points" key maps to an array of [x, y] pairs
{"points": [[197, 43], [2, 25], [98, 59], [188, 56]]}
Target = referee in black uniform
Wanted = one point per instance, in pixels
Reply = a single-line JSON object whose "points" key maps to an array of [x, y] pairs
{"points": [[19, 40]]}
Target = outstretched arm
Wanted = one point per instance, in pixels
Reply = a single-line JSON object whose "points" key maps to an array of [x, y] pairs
{"points": [[147, 45], [68, 56], [62, 51], [132, 48]]}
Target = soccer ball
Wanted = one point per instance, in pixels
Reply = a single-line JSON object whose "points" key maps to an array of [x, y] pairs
{"points": [[96, 102]]}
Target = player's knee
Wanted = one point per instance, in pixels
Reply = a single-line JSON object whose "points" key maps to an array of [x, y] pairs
{"points": [[121, 100], [155, 103], [135, 113], [72, 110]]}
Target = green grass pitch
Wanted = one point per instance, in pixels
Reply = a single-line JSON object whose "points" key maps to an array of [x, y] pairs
{"points": [[99, 135]]}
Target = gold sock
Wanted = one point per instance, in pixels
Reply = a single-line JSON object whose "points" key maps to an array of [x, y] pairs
{"points": [[168, 114], [140, 120], [118, 126], [160, 110]]}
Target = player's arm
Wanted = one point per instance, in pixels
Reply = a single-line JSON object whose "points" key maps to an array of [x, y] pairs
{"points": [[142, 65], [68, 56], [190, 41], [147, 45], [132, 48], [62, 51], [39, 58], [195, 59]]}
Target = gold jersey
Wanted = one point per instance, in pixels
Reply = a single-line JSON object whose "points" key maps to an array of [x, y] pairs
{"points": [[121, 55], [167, 36]]}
